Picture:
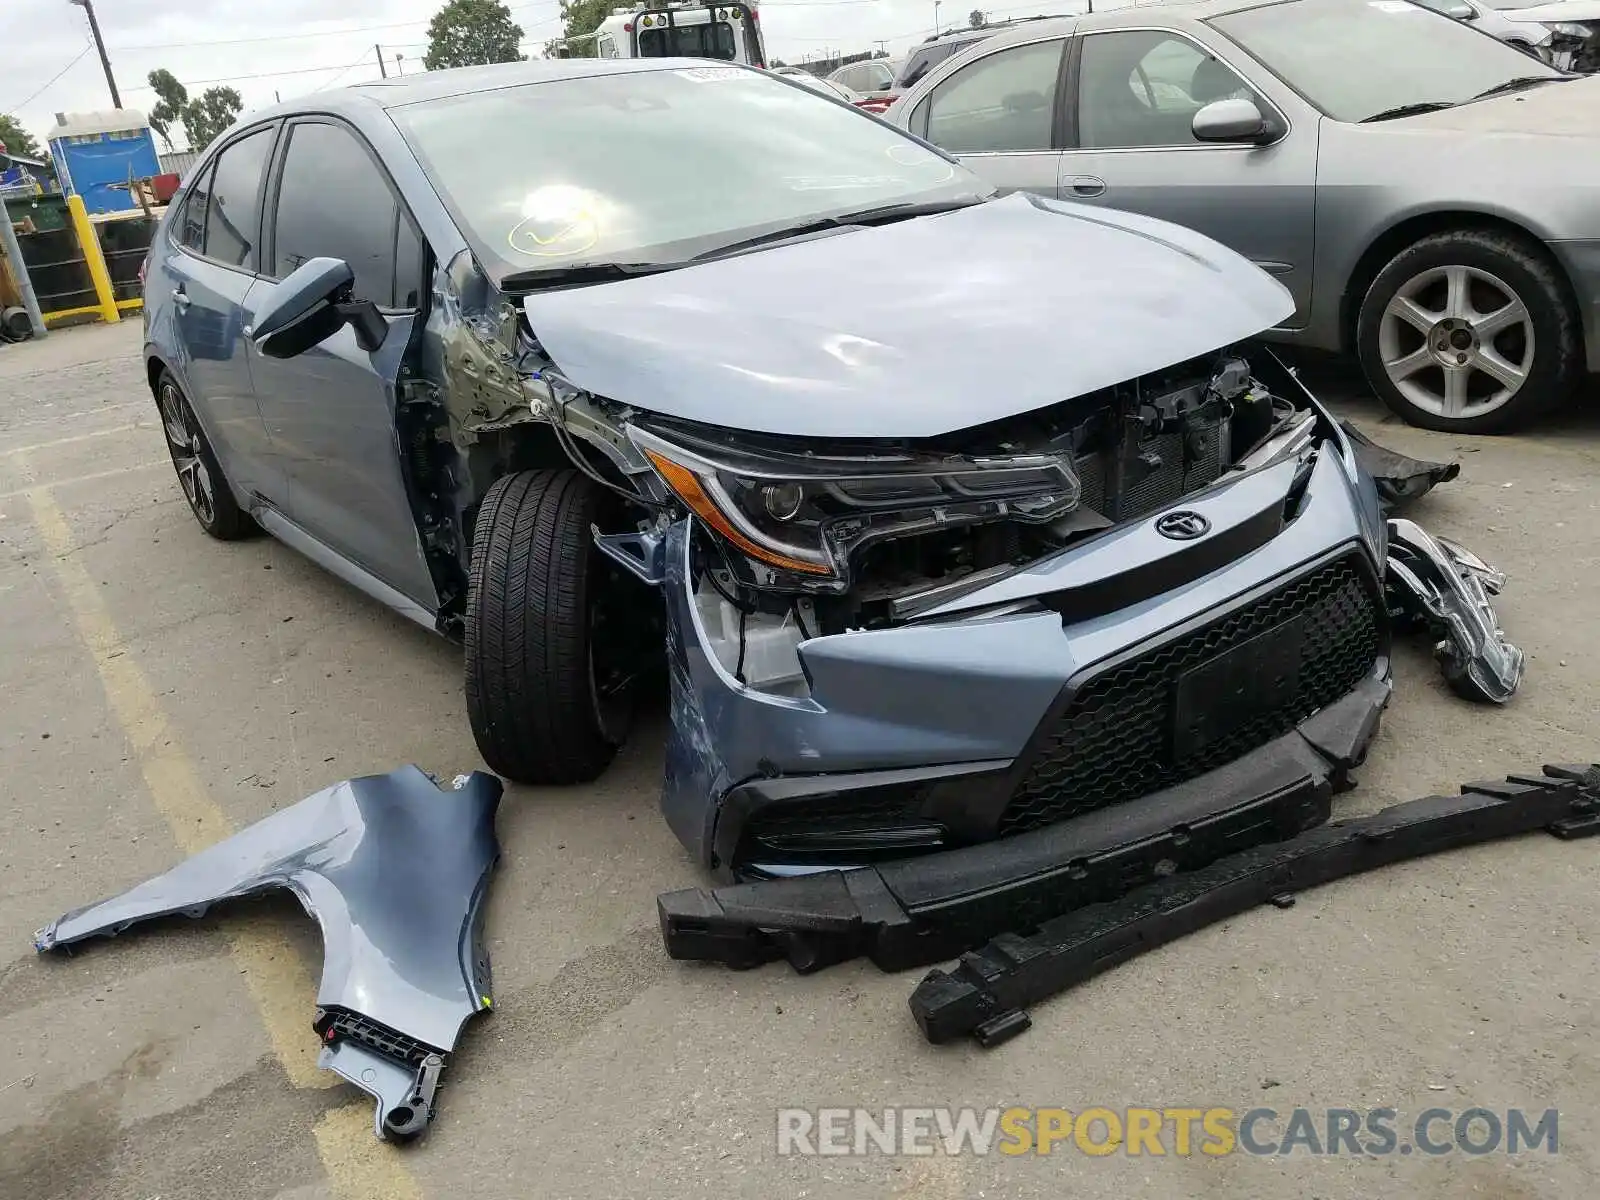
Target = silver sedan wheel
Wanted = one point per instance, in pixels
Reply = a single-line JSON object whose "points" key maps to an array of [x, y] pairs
{"points": [[1456, 341], [183, 440]]}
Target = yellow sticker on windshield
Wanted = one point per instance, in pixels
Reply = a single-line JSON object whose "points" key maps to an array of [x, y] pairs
{"points": [[557, 222]]}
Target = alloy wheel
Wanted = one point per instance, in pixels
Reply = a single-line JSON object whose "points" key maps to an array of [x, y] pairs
{"points": [[184, 443], [1456, 341]]}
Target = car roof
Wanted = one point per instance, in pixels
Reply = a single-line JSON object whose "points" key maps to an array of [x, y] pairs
{"points": [[459, 81], [1028, 29]]}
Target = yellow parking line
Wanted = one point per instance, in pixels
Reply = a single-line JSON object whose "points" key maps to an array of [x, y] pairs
{"points": [[357, 1165]]}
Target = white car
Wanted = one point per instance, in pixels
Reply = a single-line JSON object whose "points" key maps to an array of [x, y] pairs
{"points": [[1563, 33]]}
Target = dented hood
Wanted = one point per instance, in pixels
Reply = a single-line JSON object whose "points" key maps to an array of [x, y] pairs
{"points": [[912, 329]]}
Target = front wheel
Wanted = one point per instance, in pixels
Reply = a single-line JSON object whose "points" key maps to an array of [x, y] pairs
{"points": [[547, 698], [1469, 331]]}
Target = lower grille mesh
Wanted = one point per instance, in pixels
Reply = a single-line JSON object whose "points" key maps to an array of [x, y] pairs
{"points": [[1114, 742]]}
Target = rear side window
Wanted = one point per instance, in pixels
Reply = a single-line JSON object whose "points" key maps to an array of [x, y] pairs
{"points": [[233, 211], [334, 202], [191, 228]]}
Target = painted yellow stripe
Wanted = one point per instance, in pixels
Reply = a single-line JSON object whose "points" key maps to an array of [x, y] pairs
{"points": [[357, 1164]]}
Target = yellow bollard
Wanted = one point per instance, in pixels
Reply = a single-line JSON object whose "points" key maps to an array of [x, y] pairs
{"points": [[94, 259]]}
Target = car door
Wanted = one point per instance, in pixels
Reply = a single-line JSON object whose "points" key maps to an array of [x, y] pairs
{"points": [[330, 411], [1133, 97], [209, 283], [999, 114]]}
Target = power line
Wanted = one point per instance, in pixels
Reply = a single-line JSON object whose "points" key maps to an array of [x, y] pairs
{"points": [[145, 87], [87, 46], [286, 37]]}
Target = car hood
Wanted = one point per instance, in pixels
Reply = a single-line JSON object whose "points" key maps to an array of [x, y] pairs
{"points": [[1570, 108], [912, 329]]}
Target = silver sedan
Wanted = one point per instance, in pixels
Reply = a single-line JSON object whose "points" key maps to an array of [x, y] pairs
{"points": [[1429, 196]]}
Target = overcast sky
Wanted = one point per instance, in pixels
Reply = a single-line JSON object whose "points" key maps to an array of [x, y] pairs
{"points": [[293, 46]]}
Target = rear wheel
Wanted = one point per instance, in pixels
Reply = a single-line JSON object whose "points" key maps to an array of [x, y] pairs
{"points": [[210, 498], [548, 688], [1469, 331]]}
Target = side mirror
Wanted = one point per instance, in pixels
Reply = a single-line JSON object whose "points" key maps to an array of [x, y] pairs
{"points": [[1235, 120], [312, 305]]}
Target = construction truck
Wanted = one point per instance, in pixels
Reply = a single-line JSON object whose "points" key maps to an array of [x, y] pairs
{"points": [[728, 32]]}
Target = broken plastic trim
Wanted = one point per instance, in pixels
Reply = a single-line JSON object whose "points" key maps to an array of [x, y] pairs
{"points": [[916, 911], [395, 871], [1446, 588], [988, 992], [1399, 478]]}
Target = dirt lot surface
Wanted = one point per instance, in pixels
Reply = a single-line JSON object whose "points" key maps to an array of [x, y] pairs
{"points": [[158, 690]]}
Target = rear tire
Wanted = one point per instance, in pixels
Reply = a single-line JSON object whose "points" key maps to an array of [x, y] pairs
{"points": [[199, 475], [1469, 331], [536, 710]]}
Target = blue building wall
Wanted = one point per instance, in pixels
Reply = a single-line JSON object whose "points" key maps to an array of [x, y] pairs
{"points": [[90, 165]]}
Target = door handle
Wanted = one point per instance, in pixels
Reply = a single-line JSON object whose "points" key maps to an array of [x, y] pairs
{"points": [[1084, 185], [179, 298]]}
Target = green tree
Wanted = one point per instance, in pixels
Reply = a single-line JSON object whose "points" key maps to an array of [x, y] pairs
{"points": [[172, 98], [202, 118], [209, 114], [466, 33], [977, 18], [18, 140], [579, 20]]}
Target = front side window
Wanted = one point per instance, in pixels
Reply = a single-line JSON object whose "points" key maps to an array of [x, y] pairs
{"points": [[1356, 59], [1001, 103], [709, 39], [234, 210], [615, 168], [606, 47], [333, 202], [1142, 88]]}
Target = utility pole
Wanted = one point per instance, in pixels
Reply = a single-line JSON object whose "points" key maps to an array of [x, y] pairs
{"points": [[936, 4], [100, 45], [382, 69]]}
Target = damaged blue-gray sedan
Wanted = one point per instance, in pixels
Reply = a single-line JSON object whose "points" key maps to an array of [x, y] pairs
{"points": [[960, 521]]}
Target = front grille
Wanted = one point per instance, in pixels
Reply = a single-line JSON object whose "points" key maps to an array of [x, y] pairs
{"points": [[1115, 739]]}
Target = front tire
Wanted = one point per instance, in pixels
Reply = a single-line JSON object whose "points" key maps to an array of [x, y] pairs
{"points": [[1469, 331], [536, 703]]}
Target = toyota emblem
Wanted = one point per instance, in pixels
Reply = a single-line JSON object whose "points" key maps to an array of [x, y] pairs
{"points": [[1182, 526]]}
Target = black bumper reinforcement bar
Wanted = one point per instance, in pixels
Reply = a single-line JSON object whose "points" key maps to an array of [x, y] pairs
{"points": [[988, 992]]}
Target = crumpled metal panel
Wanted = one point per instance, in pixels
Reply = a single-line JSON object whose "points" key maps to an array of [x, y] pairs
{"points": [[1400, 478], [1445, 588], [395, 870]]}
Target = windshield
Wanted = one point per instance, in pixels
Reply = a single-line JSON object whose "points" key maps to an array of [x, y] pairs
{"points": [[1356, 58], [658, 165], [708, 39]]}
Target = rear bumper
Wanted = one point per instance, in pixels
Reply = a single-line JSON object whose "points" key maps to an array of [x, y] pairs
{"points": [[916, 911]]}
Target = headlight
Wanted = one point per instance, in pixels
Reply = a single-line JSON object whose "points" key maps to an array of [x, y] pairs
{"points": [[1568, 28], [798, 517]]}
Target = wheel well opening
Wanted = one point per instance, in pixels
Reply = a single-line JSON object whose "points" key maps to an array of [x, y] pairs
{"points": [[152, 369], [1392, 241]]}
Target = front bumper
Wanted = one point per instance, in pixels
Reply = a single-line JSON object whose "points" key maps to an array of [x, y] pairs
{"points": [[1077, 685], [921, 910]]}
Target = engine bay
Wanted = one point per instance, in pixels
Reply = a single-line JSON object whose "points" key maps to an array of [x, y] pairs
{"points": [[1132, 449]]}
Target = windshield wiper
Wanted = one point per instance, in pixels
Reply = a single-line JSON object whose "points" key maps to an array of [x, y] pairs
{"points": [[882, 214], [1409, 110], [1519, 83], [580, 273]]}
